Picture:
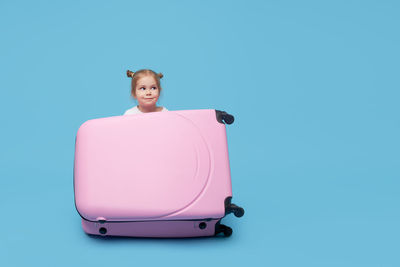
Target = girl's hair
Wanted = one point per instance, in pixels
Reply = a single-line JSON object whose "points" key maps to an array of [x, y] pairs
{"points": [[141, 73]]}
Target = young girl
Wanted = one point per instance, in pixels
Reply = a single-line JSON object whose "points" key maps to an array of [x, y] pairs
{"points": [[146, 90]]}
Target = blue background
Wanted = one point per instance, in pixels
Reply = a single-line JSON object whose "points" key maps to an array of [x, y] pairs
{"points": [[314, 151]]}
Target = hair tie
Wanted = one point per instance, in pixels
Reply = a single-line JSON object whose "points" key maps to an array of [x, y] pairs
{"points": [[130, 73]]}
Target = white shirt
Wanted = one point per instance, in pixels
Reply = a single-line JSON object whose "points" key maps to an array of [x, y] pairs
{"points": [[135, 110]]}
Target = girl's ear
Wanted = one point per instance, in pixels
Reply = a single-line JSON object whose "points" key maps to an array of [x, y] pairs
{"points": [[132, 94]]}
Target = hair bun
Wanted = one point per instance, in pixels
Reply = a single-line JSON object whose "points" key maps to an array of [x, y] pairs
{"points": [[160, 75], [130, 73]]}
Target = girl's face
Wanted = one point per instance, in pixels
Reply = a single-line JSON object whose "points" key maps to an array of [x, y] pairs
{"points": [[147, 91]]}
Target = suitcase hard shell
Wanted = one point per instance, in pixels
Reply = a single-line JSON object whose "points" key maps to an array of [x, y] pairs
{"points": [[159, 174]]}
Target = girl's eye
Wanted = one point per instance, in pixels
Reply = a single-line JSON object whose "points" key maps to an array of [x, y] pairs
{"points": [[142, 88], [154, 88]]}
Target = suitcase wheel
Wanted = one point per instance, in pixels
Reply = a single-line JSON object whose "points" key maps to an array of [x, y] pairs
{"points": [[221, 228], [227, 231], [223, 117], [230, 207]]}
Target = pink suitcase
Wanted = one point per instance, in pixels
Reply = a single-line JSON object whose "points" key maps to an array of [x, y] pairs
{"points": [[159, 174]]}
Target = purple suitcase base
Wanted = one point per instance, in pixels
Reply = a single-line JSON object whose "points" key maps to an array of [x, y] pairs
{"points": [[159, 229]]}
